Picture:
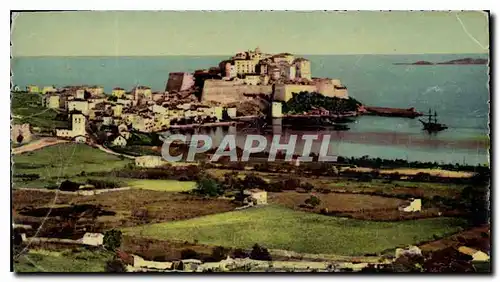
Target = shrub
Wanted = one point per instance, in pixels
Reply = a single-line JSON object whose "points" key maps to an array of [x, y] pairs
{"points": [[102, 184], [240, 253], [115, 265], [112, 239], [312, 201], [260, 253], [219, 253], [189, 254], [67, 185], [307, 186], [275, 187], [253, 181], [291, 184], [208, 187]]}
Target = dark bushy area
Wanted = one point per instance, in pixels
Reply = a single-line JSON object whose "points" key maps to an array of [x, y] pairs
{"points": [[306, 101], [366, 161], [185, 173]]}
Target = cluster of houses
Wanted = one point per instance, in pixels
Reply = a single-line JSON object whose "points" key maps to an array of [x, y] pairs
{"points": [[141, 110], [256, 67]]}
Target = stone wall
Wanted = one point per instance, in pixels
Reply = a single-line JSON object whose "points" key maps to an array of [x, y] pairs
{"points": [[179, 81], [226, 92]]}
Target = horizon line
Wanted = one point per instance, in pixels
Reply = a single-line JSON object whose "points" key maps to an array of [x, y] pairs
{"points": [[220, 55]]}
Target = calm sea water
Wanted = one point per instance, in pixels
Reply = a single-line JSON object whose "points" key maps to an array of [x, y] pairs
{"points": [[459, 93]]}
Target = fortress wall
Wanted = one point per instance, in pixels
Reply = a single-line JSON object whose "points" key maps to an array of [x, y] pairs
{"points": [[226, 92], [179, 81]]}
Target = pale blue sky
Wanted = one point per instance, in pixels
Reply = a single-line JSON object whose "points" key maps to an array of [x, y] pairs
{"points": [[149, 33]]}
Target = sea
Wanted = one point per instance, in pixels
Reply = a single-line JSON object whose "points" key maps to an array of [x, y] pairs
{"points": [[458, 93]]}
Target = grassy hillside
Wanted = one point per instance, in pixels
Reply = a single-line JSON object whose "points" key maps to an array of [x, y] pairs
{"points": [[27, 108], [78, 260], [281, 228], [62, 161]]}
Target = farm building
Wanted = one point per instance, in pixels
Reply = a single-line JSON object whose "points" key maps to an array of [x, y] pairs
{"points": [[412, 250], [414, 206], [475, 254], [149, 161], [93, 239], [119, 141], [256, 196]]}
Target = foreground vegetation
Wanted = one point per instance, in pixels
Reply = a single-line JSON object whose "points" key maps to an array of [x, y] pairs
{"points": [[27, 108], [282, 228], [162, 185], [49, 165], [66, 260]]}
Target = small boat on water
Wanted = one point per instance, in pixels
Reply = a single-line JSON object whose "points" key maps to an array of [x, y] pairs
{"points": [[431, 125]]}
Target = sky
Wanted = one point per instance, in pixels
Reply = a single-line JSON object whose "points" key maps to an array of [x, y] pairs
{"points": [[157, 33]]}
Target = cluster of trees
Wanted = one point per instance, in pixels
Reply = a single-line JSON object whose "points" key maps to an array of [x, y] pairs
{"points": [[209, 186], [68, 185], [183, 173], [366, 161], [306, 101]]}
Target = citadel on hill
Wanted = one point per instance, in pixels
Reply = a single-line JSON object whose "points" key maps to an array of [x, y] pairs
{"points": [[203, 97], [253, 73]]}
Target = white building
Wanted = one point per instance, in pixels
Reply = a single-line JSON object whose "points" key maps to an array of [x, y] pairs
{"points": [[78, 123], [256, 196], [107, 120], [276, 110], [414, 206], [119, 141], [150, 161], [231, 112], [475, 254], [93, 239], [79, 105]]}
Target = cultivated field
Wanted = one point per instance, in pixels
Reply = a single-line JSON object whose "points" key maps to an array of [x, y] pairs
{"points": [[60, 162], [335, 201], [122, 208], [281, 228], [162, 185], [335, 184]]}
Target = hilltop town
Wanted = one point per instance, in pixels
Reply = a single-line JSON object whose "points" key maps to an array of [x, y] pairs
{"points": [[205, 97]]}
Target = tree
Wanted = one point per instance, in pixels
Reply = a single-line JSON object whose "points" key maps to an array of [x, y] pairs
{"points": [[67, 185], [312, 201], [307, 186], [219, 253], [209, 187], [189, 254], [260, 253], [112, 239]]}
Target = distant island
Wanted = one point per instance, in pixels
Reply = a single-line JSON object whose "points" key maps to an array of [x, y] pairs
{"points": [[464, 61]]}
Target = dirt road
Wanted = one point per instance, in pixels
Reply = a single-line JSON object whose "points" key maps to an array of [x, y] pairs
{"points": [[37, 144]]}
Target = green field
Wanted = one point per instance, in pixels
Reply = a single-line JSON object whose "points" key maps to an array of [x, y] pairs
{"points": [[79, 260], [281, 228], [63, 161], [27, 108], [162, 185]]}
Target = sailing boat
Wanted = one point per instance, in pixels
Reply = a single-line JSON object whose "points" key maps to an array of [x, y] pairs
{"points": [[431, 125]]}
